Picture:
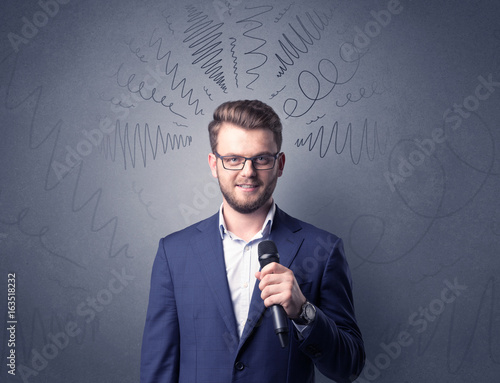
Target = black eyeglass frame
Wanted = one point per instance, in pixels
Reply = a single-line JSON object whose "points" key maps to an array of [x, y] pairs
{"points": [[275, 156]]}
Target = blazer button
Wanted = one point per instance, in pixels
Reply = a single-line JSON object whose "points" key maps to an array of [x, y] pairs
{"points": [[239, 366]]}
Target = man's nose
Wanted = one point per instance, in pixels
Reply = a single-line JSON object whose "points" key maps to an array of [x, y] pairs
{"points": [[248, 169]]}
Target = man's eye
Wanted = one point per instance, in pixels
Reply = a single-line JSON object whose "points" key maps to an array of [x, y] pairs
{"points": [[233, 160], [262, 159]]}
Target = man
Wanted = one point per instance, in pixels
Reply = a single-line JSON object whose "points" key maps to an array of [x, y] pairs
{"points": [[207, 319]]}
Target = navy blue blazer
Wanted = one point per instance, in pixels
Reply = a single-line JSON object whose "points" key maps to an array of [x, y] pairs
{"points": [[190, 335]]}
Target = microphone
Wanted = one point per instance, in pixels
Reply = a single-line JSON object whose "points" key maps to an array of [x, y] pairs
{"points": [[269, 253]]}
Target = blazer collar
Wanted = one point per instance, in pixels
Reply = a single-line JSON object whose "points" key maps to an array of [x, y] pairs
{"points": [[208, 247]]}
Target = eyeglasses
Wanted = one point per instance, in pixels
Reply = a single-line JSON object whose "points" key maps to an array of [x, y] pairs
{"points": [[262, 162]]}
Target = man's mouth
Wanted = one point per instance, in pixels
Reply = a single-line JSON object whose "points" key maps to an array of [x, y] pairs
{"points": [[247, 186]]}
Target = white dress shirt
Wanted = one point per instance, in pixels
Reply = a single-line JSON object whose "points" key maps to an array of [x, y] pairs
{"points": [[242, 262]]}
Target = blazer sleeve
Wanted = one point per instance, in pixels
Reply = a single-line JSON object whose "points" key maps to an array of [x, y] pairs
{"points": [[333, 341], [160, 344]]}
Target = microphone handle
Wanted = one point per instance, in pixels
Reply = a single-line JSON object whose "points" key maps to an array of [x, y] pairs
{"points": [[280, 324]]}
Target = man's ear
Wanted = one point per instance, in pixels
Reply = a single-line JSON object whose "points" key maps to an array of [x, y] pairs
{"points": [[281, 164], [212, 162]]}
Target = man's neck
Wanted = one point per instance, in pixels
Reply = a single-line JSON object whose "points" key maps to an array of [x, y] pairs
{"points": [[245, 226]]}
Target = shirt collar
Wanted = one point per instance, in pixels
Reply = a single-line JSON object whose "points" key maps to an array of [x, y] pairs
{"points": [[266, 227]]}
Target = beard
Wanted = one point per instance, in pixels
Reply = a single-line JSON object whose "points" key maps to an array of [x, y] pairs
{"points": [[252, 205]]}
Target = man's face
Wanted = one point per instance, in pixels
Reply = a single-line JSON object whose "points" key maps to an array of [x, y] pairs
{"points": [[246, 190]]}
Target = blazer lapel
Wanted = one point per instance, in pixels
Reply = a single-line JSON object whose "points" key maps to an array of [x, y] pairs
{"points": [[208, 248], [286, 235]]}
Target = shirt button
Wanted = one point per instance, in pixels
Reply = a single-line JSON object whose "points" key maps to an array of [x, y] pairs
{"points": [[245, 285], [239, 366]]}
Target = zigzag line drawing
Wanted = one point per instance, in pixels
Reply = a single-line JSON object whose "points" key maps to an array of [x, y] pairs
{"points": [[142, 139], [235, 59], [111, 225], [255, 51], [159, 57], [204, 35], [293, 51], [348, 137]]}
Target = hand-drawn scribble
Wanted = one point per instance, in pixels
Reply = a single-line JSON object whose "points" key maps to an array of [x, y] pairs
{"points": [[34, 97], [308, 80], [182, 83], [283, 13], [364, 221], [29, 33], [348, 137], [40, 235], [487, 173], [145, 204], [486, 311], [255, 51], [273, 95], [139, 90], [94, 226], [442, 266], [182, 125], [114, 101], [362, 94], [76, 153], [426, 325], [136, 51], [142, 141], [235, 59], [316, 119], [371, 242], [203, 36], [169, 24], [488, 168], [438, 208], [292, 51], [207, 93], [66, 285]]}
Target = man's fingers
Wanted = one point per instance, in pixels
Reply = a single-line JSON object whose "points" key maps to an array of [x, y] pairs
{"points": [[275, 279], [273, 268]]}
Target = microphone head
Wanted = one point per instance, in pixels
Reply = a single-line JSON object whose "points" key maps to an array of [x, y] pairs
{"points": [[268, 252]]}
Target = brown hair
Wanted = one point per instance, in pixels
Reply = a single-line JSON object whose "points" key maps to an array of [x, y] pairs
{"points": [[246, 114]]}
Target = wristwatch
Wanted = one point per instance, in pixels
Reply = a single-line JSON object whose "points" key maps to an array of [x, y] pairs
{"points": [[307, 315]]}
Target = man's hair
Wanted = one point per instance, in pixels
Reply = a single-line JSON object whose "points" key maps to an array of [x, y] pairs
{"points": [[246, 114]]}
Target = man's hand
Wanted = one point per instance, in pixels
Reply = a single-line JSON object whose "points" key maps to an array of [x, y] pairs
{"points": [[279, 287]]}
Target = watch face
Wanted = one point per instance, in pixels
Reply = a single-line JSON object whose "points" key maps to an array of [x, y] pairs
{"points": [[309, 312]]}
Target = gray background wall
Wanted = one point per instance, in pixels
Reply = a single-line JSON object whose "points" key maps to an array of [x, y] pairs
{"points": [[391, 138]]}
